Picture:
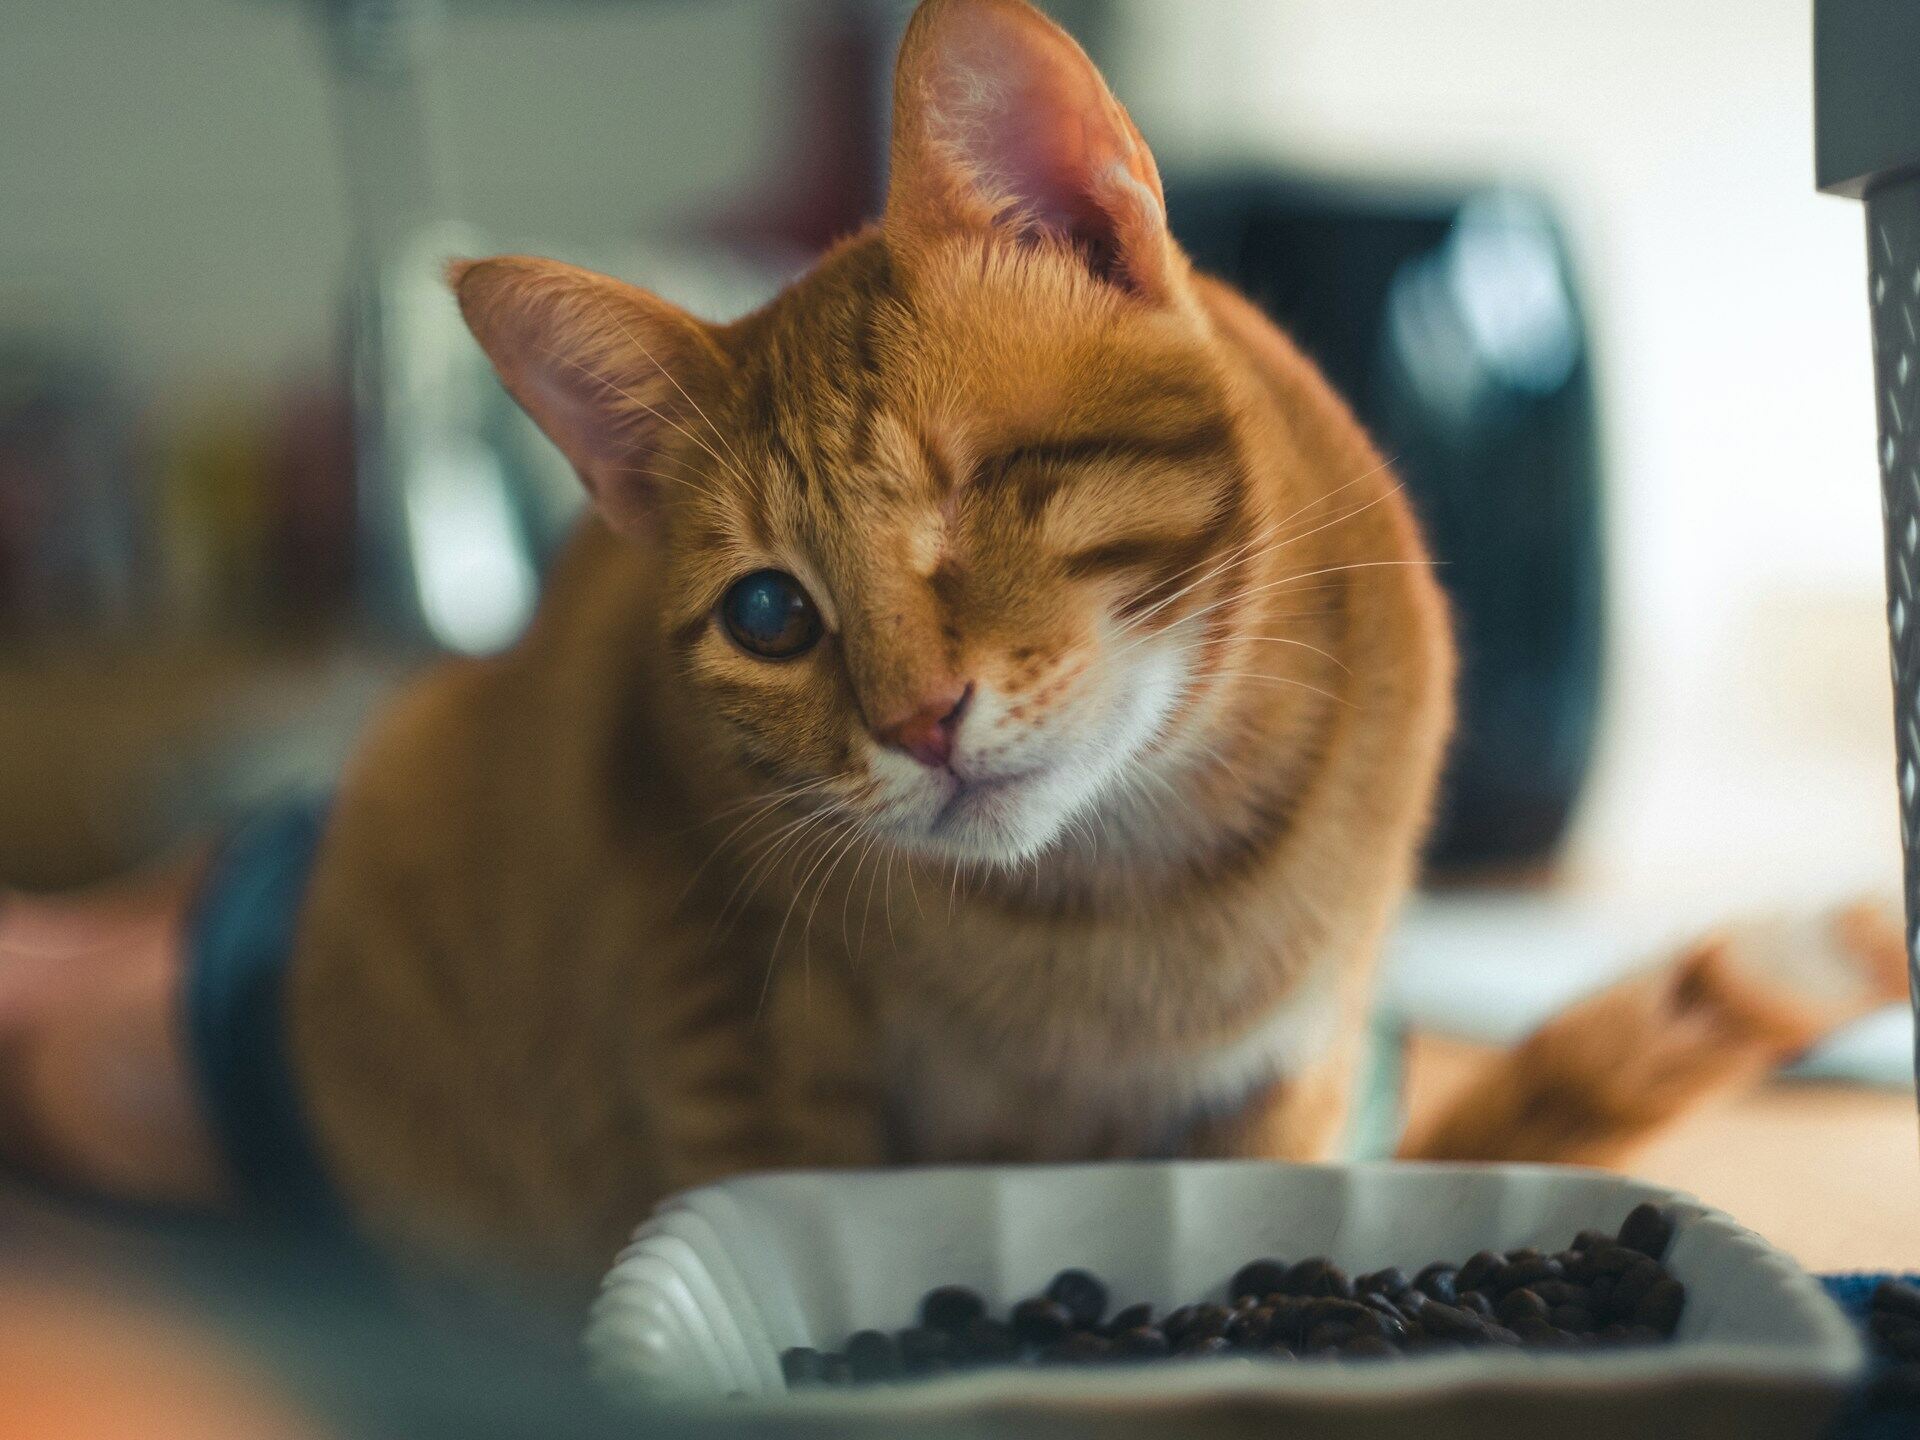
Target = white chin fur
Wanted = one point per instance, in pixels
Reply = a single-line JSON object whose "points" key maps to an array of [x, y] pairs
{"points": [[1009, 826]]}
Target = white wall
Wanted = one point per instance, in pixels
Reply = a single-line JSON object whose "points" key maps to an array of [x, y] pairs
{"points": [[169, 182], [1750, 740]]}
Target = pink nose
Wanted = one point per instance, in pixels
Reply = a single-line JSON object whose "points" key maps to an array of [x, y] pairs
{"points": [[928, 733]]}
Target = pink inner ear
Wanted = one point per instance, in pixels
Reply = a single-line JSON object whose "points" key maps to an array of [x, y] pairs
{"points": [[1026, 117], [1052, 163], [585, 356]]}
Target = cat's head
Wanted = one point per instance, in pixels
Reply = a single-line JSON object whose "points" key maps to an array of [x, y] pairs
{"points": [[941, 528]]}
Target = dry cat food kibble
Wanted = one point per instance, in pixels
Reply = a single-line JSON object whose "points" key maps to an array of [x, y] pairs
{"points": [[1601, 1291]]}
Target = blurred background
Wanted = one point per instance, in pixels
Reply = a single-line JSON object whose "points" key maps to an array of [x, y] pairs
{"points": [[1566, 259]]}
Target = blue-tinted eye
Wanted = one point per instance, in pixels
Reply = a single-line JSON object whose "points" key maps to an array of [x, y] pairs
{"points": [[769, 615]]}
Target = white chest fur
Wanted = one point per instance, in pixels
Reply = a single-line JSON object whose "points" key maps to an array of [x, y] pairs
{"points": [[956, 1098]]}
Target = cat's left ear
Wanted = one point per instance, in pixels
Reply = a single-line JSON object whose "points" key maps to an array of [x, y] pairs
{"points": [[607, 370], [1001, 123]]}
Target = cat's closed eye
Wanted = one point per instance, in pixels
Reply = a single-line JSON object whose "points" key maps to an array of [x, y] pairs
{"points": [[769, 615]]}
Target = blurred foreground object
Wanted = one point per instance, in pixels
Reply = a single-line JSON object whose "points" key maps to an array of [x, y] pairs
{"points": [[75, 1365], [1866, 57]]}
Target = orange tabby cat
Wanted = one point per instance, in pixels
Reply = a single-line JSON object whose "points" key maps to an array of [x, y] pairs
{"points": [[992, 717], [1066, 820]]}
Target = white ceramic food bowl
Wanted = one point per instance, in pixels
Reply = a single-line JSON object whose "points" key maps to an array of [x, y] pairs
{"points": [[721, 1280]]}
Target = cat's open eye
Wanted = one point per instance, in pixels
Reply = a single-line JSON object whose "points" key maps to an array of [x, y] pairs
{"points": [[768, 614]]}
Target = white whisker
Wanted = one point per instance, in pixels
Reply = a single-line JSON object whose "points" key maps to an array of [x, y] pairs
{"points": [[659, 415], [741, 467]]}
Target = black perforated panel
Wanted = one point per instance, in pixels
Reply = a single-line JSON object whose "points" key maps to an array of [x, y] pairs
{"points": [[1893, 242]]}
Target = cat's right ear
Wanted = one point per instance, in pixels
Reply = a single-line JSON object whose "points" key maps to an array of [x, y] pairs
{"points": [[1002, 125], [604, 368]]}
